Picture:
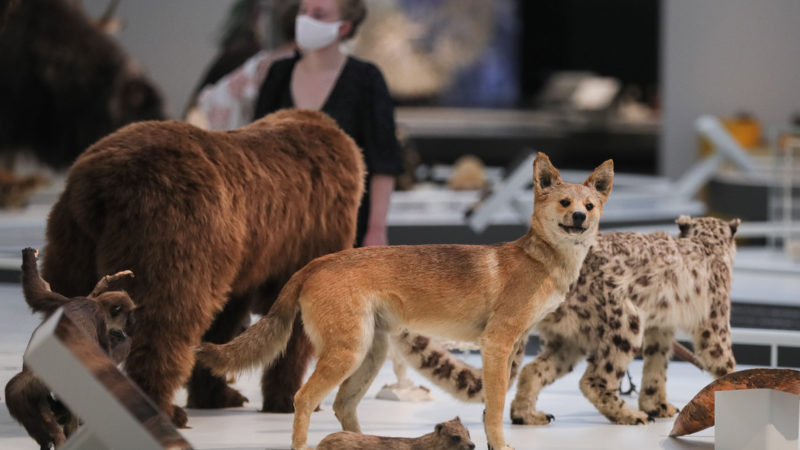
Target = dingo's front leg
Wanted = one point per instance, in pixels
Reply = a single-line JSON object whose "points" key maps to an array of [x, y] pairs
{"points": [[495, 353]]}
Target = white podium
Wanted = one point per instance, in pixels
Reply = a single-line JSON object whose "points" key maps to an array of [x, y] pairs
{"points": [[757, 419]]}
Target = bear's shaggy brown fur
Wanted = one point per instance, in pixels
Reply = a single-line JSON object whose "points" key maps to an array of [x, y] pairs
{"points": [[201, 217]]}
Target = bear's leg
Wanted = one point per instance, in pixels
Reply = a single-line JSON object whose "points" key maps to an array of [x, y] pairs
{"points": [[281, 381], [163, 342], [209, 391]]}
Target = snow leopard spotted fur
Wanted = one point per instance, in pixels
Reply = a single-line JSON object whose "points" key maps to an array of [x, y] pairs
{"points": [[634, 291]]}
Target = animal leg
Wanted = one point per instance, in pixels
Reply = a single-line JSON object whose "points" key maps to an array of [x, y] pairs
{"points": [[556, 360], [209, 391], [281, 380], [353, 389], [656, 351], [600, 383], [27, 399], [495, 353], [162, 351], [332, 368], [712, 346], [399, 366]]}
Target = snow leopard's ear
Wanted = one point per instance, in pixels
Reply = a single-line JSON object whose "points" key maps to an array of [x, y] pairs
{"points": [[684, 222], [734, 224]]}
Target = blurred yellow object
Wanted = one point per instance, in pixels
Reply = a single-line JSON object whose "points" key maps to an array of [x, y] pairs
{"points": [[745, 128]]}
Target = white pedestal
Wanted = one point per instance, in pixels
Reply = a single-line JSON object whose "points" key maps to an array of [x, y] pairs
{"points": [[757, 419]]}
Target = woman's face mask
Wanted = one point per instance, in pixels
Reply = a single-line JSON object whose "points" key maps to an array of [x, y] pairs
{"points": [[312, 34]]}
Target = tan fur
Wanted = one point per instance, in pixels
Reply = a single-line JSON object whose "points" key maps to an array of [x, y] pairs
{"points": [[103, 317], [352, 300], [450, 435], [634, 290], [202, 218]]}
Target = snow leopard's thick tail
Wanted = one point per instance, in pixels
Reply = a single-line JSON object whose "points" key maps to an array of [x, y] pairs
{"points": [[444, 369]]}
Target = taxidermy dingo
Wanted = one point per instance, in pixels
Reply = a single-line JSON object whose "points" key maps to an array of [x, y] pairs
{"points": [[353, 300]]}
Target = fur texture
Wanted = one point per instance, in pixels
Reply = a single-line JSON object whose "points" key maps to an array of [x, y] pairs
{"points": [[437, 364], [634, 290], [450, 435], [202, 217], [353, 300], [103, 316]]}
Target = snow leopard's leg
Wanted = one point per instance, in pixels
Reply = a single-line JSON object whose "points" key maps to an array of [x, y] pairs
{"points": [[607, 366], [656, 351], [712, 345], [556, 360]]}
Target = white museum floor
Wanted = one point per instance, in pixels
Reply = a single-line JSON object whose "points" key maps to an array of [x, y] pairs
{"points": [[577, 426]]}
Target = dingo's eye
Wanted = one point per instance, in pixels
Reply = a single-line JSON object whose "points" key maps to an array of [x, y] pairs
{"points": [[565, 203], [589, 206], [116, 310]]}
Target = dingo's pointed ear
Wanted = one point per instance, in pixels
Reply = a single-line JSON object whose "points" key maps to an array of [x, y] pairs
{"points": [[602, 179], [544, 174]]}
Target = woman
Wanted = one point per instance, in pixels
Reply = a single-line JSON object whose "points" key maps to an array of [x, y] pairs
{"points": [[351, 91]]}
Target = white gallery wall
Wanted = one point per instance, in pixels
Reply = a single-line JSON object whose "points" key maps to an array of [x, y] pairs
{"points": [[724, 56]]}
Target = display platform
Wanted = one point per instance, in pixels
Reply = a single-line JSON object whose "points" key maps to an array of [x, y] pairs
{"points": [[577, 426]]}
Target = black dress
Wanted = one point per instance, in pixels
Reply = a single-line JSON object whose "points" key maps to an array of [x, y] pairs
{"points": [[360, 103]]}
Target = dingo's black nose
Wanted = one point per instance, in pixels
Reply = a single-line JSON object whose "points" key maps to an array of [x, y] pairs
{"points": [[577, 218]]}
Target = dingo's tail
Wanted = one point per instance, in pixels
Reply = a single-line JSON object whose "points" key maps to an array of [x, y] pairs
{"points": [[444, 369], [263, 342]]}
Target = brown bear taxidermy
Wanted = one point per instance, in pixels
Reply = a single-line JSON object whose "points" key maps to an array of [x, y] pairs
{"points": [[202, 217], [104, 315]]}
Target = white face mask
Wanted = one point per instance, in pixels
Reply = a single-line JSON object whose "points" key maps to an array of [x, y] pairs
{"points": [[312, 34]]}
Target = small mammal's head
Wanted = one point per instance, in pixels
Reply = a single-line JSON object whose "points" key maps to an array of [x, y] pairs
{"points": [[117, 311], [708, 228], [453, 435], [112, 310], [568, 212]]}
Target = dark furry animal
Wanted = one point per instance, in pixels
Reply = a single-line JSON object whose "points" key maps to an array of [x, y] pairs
{"points": [[103, 316], [201, 217], [64, 83], [450, 435]]}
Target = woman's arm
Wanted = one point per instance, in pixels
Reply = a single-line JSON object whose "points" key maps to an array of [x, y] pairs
{"points": [[380, 188]]}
